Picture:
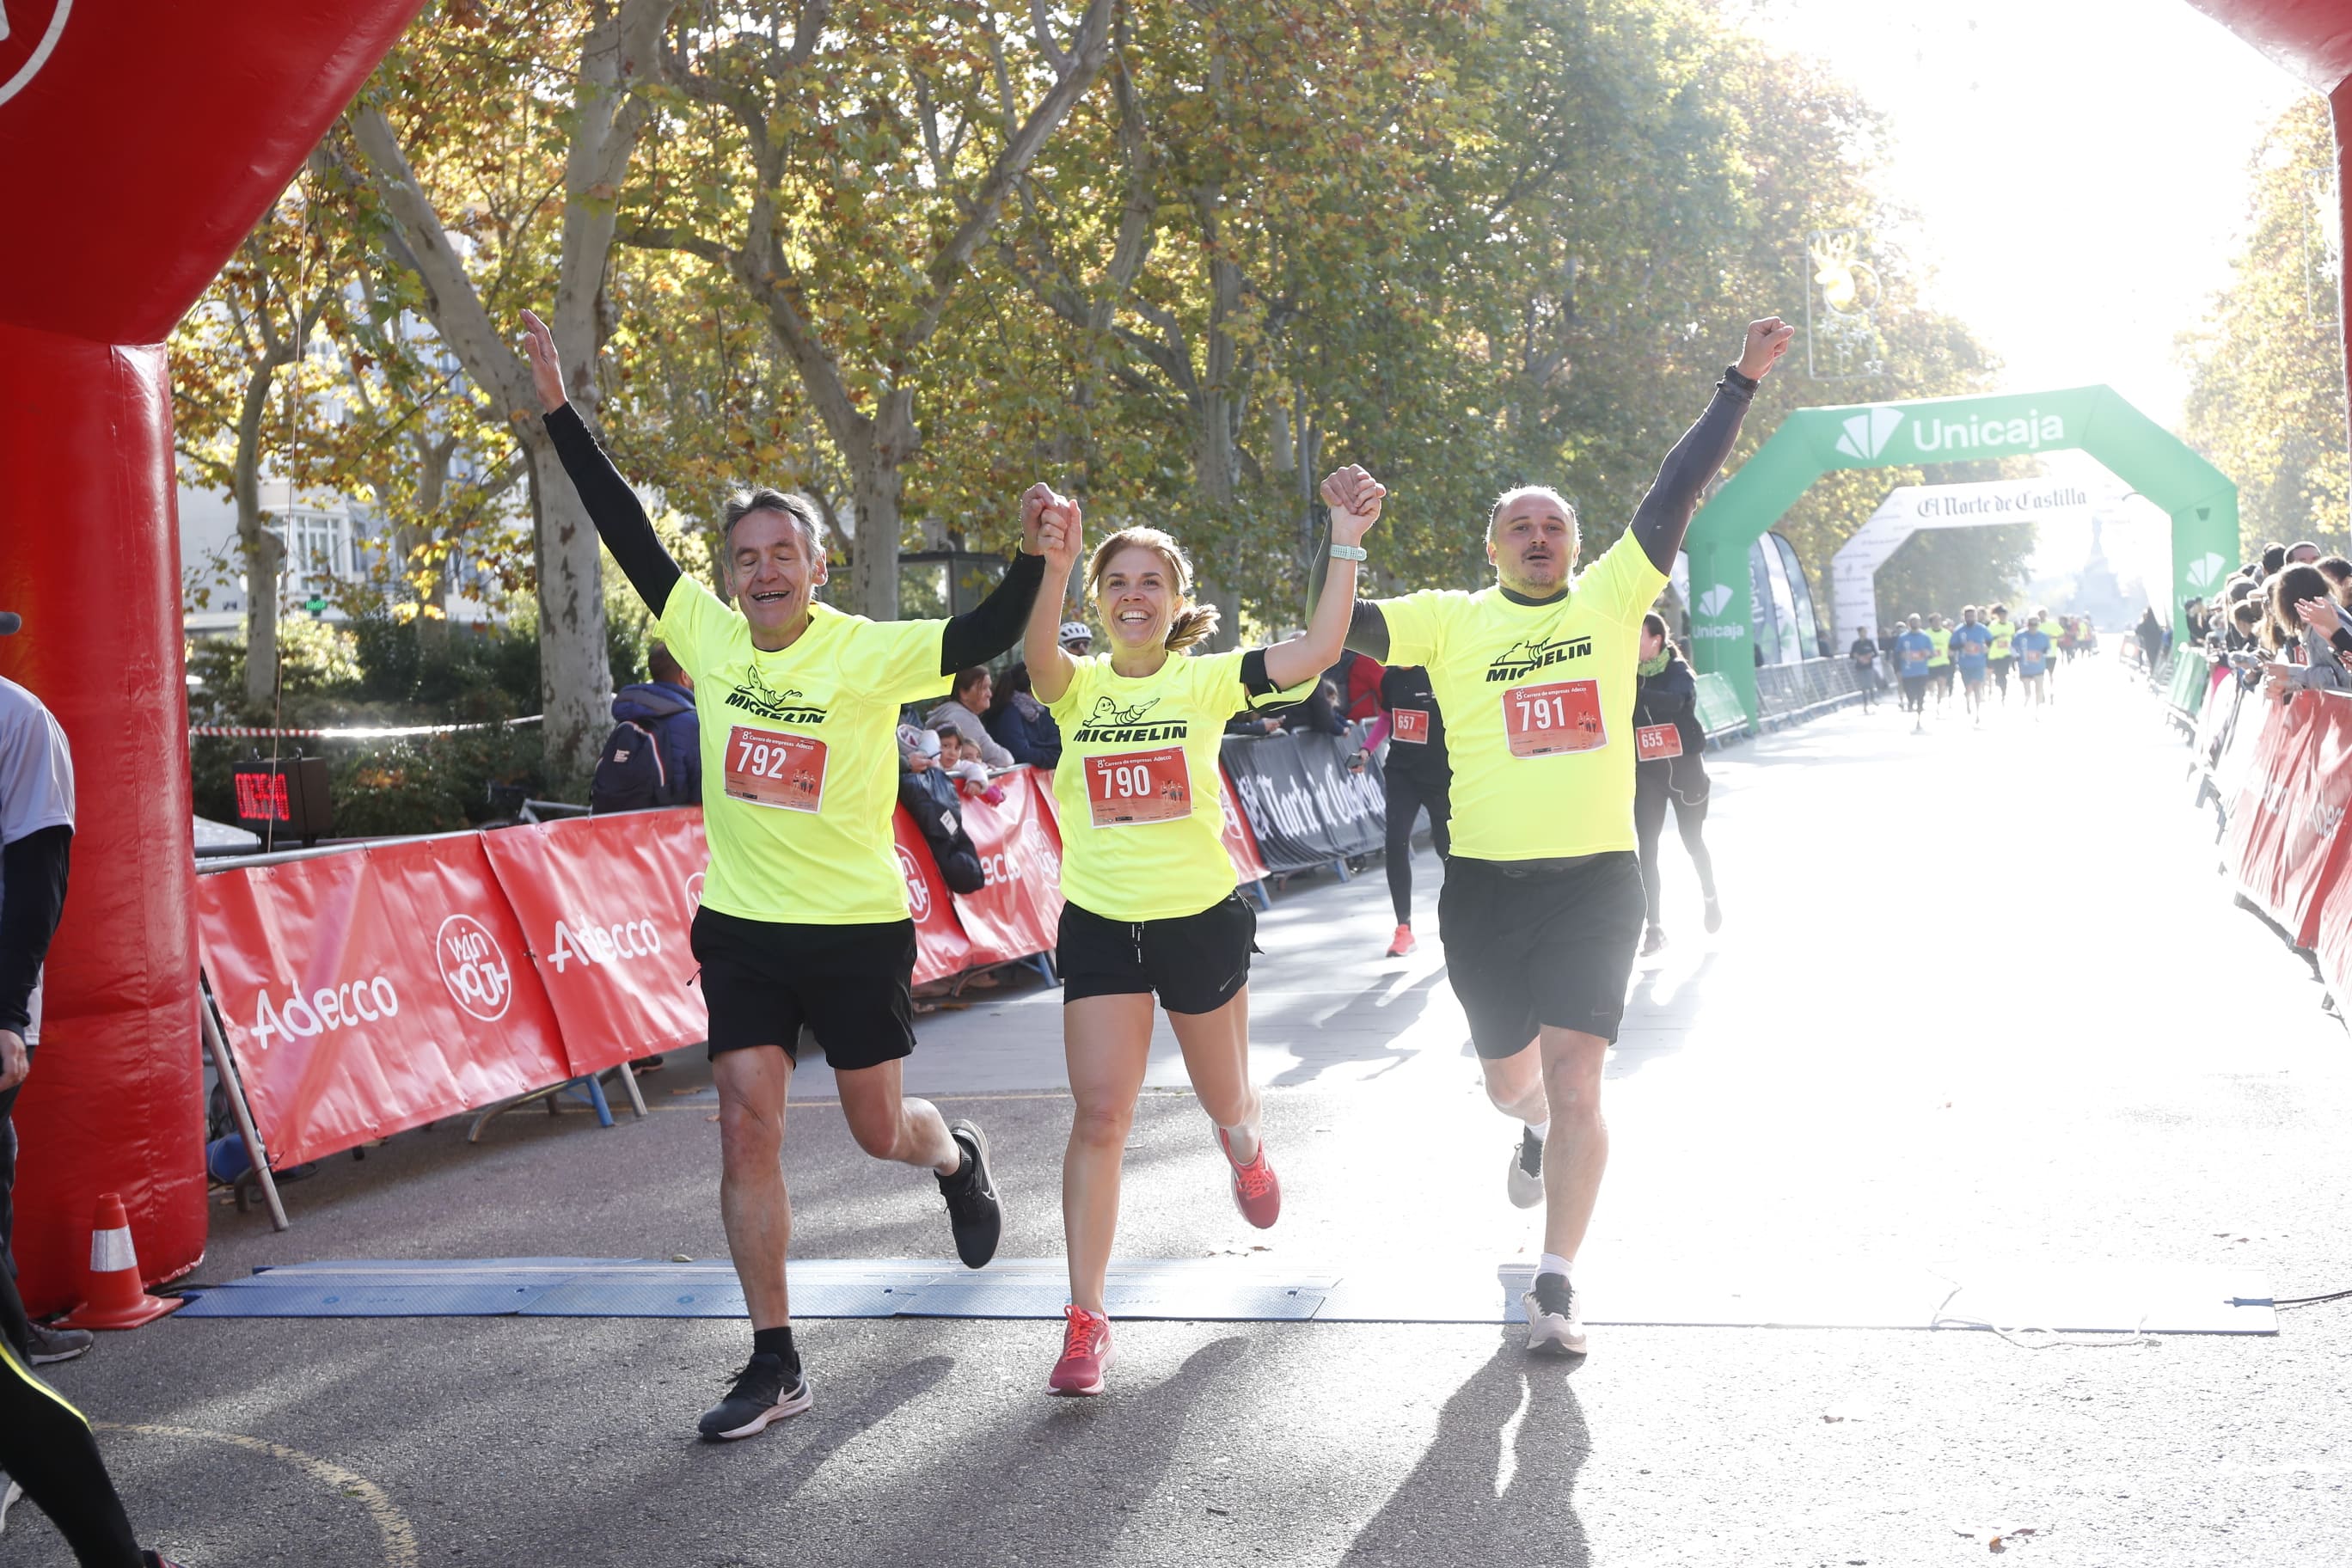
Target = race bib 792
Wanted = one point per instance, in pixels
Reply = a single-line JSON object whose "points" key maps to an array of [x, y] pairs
{"points": [[766, 768]]}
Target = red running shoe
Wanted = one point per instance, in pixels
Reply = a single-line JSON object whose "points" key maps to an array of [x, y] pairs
{"points": [[1402, 943], [1087, 1354], [1256, 1192]]}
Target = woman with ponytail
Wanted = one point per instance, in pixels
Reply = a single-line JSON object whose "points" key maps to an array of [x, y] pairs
{"points": [[1670, 742], [1151, 908]]}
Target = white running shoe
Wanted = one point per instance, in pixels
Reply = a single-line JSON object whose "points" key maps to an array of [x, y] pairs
{"points": [[1555, 1321], [1525, 1181]]}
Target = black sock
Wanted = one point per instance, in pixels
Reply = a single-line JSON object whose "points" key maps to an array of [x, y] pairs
{"points": [[963, 1167], [777, 1343]]}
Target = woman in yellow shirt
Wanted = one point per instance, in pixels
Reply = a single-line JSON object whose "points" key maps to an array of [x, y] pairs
{"points": [[1152, 903]]}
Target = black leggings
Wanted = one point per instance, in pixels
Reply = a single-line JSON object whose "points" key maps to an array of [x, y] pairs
{"points": [[1650, 815], [1406, 795], [45, 1445]]}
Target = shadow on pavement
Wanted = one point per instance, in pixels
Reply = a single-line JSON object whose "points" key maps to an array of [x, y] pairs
{"points": [[1496, 1484], [1333, 1042]]}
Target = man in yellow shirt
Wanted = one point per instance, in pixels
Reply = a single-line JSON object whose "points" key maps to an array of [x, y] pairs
{"points": [[803, 921], [1939, 662], [2004, 631], [1542, 905]]}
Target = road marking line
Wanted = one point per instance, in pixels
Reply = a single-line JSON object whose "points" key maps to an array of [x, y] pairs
{"points": [[399, 1535]]}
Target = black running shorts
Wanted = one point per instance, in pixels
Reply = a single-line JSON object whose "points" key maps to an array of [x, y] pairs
{"points": [[850, 984], [1540, 943], [1194, 963]]}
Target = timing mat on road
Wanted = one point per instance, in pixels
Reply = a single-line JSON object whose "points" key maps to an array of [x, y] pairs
{"points": [[2084, 1300]]}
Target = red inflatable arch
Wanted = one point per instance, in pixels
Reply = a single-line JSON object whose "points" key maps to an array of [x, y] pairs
{"points": [[140, 141]]}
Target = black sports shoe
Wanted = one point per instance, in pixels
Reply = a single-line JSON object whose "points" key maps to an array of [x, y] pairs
{"points": [[766, 1390], [50, 1344], [1526, 1187], [974, 1212], [1555, 1321]]}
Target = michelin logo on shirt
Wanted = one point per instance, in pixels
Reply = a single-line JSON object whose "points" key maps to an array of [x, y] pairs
{"points": [[785, 707], [1522, 659], [1109, 724]]}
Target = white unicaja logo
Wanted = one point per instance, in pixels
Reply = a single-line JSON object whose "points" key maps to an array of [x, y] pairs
{"points": [[918, 888], [1866, 435], [24, 31], [2204, 572], [1711, 602], [474, 968]]}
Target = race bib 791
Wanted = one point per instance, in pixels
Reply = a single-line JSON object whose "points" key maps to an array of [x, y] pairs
{"points": [[1559, 716]]}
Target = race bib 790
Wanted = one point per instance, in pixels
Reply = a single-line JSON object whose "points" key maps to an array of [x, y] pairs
{"points": [[1138, 786]]}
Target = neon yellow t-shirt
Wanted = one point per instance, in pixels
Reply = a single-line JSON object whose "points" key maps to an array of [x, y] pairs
{"points": [[1142, 823], [1539, 704], [1942, 638], [799, 757], [2001, 632]]}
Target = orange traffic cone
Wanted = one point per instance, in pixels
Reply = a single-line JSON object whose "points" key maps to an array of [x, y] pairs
{"points": [[114, 1298]]}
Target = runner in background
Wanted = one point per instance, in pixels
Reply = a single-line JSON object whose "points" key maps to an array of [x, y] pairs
{"points": [[1670, 747], [1151, 905], [2032, 646], [1971, 648], [1415, 775], [803, 921], [2003, 631], [1939, 662], [1542, 907], [1912, 650], [1865, 654]]}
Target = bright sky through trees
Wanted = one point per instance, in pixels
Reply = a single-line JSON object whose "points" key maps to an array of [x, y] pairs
{"points": [[2077, 167]]}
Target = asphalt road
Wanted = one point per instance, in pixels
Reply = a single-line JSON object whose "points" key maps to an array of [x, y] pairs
{"points": [[1982, 1002]]}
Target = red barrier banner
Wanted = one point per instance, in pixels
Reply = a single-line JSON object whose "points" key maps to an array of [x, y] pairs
{"points": [[2282, 842], [1018, 909], [369, 993], [1240, 844], [941, 949], [607, 907]]}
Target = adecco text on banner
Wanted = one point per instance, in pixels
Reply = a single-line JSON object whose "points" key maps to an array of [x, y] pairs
{"points": [[325, 1010], [919, 887], [581, 943]]}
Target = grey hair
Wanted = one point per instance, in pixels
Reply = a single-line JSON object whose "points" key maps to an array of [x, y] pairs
{"points": [[1495, 512], [760, 497]]}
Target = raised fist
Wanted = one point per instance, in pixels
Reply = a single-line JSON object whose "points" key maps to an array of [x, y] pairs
{"points": [[1354, 498], [1768, 340]]}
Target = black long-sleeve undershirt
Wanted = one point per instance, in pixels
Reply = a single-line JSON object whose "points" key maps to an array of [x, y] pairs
{"points": [[977, 636], [32, 899], [1659, 522]]}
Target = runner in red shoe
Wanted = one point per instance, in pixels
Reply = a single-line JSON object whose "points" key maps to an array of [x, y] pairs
{"points": [[1151, 906], [803, 921], [1543, 906]]}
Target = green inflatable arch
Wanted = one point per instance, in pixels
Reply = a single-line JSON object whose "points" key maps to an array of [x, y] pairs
{"points": [[2201, 499]]}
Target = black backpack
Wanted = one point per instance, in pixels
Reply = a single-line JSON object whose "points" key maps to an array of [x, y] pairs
{"points": [[629, 771]]}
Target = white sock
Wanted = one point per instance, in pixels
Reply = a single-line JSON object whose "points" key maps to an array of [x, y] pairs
{"points": [[1542, 1129], [1552, 1263]]}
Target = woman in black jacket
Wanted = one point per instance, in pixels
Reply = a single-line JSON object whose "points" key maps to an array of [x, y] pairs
{"points": [[1020, 722], [1669, 744]]}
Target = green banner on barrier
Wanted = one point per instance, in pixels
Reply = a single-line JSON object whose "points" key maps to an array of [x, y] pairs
{"points": [[1720, 712], [2192, 673]]}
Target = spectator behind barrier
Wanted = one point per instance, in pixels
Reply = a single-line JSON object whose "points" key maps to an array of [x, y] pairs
{"points": [[663, 706], [2303, 552], [2338, 573], [2274, 561], [960, 762], [1020, 723], [929, 795], [2295, 600], [973, 688]]}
